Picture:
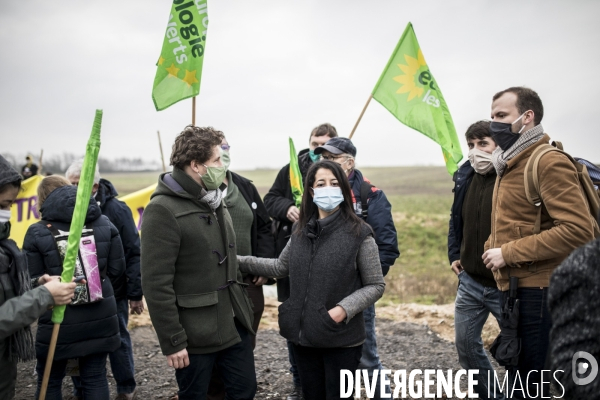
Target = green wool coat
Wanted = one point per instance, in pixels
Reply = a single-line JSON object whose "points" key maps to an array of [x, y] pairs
{"points": [[192, 290]]}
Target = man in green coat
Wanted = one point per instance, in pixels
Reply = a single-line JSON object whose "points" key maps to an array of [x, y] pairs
{"points": [[197, 301]]}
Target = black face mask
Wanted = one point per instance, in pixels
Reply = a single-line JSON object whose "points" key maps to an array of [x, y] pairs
{"points": [[503, 135]]}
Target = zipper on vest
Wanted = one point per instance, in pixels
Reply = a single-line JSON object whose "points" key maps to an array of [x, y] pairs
{"points": [[315, 246]]}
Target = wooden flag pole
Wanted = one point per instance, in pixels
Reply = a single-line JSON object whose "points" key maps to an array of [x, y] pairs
{"points": [[49, 360], [194, 111], [40, 167], [360, 116], [162, 157]]}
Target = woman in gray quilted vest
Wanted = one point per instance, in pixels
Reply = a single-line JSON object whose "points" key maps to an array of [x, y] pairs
{"points": [[333, 265]]}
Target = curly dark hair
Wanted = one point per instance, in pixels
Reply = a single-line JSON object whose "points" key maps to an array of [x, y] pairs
{"points": [[195, 144], [478, 130]]}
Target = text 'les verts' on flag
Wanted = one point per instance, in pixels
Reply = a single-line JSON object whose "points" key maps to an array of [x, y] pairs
{"points": [[179, 67], [408, 90]]}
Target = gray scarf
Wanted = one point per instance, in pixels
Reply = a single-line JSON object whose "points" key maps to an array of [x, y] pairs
{"points": [[21, 346], [212, 198], [501, 157]]}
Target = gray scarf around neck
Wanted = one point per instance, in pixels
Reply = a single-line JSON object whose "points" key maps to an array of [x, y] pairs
{"points": [[212, 198], [21, 345], [501, 157]]}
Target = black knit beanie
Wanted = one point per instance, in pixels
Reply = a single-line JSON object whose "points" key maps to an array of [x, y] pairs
{"points": [[574, 303], [8, 173]]}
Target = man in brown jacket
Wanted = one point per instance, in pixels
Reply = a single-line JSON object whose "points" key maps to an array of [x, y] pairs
{"points": [[513, 248]]}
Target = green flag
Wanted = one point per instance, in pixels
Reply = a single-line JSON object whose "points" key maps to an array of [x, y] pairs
{"points": [[179, 67], [408, 90], [82, 202], [295, 175]]}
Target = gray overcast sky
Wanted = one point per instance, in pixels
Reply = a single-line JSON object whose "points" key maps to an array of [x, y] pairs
{"points": [[275, 69]]}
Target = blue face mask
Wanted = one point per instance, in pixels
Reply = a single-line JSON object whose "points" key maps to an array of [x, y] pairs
{"points": [[328, 198], [314, 157]]}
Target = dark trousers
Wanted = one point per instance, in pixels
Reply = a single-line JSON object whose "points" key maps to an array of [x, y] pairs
{"points": [[216, 388], [534, 331], [235, 365], [320, 369], [121, 360], [92, 373]]}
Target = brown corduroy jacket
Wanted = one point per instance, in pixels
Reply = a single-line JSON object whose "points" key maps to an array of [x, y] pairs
{"points": [[566, 222]]}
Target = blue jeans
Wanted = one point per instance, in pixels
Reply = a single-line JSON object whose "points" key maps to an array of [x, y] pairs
{"points": [[473, 305], [121, 360], [236, 369], [534, 331], [92, 371], [370, 359]]}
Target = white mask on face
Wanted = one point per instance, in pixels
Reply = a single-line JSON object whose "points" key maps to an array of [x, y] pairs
{"points": [[4, 216], [480, 161], [346, 171]]}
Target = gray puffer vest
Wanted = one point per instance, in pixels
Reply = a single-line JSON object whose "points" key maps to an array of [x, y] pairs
{"points": [[323, 271]]}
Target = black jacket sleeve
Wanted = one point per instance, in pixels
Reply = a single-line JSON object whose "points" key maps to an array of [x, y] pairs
{"points": [[453, 246], [279, 199], [34, 249], [381, 221], [116, 260], [122, 218], [462, 179], [265, 243]]}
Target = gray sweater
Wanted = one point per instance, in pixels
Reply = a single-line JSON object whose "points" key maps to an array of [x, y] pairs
{"points": [[368, 266]]}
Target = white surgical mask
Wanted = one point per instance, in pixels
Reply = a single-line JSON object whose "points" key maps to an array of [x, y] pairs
{"points": [[4, 216], [480, 161]]}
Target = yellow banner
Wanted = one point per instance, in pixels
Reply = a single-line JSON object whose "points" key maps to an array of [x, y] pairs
{"points": [[24, 211], [137, 202]]}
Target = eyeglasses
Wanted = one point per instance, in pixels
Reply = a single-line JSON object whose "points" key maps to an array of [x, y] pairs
{"points": [[225, 147], [333, 158]]}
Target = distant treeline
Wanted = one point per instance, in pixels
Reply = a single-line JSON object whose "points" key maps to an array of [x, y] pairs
{"points": [[58, 164]]}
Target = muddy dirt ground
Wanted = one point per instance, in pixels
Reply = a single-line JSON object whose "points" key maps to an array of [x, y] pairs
{"points": [[410, 337]]}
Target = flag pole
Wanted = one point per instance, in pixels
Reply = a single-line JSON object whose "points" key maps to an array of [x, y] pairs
{"points": [[49, 361], [194, 111], [41, 157], [162, 157], [360, 116]]}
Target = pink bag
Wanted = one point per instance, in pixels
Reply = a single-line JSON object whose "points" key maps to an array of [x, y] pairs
{"points": [[86, 264]]}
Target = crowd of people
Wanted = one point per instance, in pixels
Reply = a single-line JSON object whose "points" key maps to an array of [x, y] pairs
{"points": [[210, 242]]}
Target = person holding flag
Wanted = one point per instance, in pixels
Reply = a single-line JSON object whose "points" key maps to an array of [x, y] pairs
{"points": [[283, 204], [20, 306]]}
